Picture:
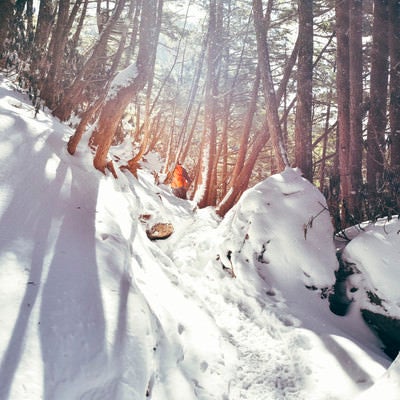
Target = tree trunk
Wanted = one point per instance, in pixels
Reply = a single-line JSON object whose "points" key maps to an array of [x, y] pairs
{"points": [[134, 162], [51, 85], [242, 181], [303, 124], [343, 95], [73, 94], [378, 96], [244, 139], [44, 24], [209, 156], [356, 101], [5, 18], [125, 86], [268, 86], [394, 105]]}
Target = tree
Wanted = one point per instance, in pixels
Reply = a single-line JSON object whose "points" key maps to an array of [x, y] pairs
{"points": [[208, 193], [271, 106], [349, 94], [353, 200], [52, 85], [125, 86], [240, 176], [210, 114], [73, 95], [377, 100], [303, 125], [394, 100], [5, 18]]}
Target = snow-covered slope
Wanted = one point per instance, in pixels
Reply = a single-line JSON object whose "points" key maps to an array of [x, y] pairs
{"points": [[90, 308]]}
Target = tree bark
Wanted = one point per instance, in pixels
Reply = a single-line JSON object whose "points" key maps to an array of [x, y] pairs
{"points": [[394, 104], [356, 102], [242, 181], [125, 86], [244, 139], [303, 123], [5, 18], [268, 86], [50, 89], [73, 94], [44, 24], [52, 85], [343, 96], [378, 97], [209, 154]]}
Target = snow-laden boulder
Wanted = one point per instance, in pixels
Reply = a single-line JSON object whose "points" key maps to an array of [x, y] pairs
{"points": [[373, 258], [250, 233]]}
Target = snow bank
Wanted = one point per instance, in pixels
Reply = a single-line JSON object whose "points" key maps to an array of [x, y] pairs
{"points": [[282, 226], [375, 253]]}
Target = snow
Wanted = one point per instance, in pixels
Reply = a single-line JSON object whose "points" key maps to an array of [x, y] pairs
{"points": [[123, 79], [90, 308], [375, 250]]}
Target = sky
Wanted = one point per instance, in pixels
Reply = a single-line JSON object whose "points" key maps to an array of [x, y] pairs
{"points": [[232, 309]]}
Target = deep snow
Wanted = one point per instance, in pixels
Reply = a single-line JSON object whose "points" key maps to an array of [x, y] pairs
{"points": [[90, 308]]}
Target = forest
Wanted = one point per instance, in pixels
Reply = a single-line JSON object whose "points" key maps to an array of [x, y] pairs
{"points": [[235, 90]]}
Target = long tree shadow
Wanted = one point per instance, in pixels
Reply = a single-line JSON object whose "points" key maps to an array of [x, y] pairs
{"points": [[72, 324], [27, 224]]}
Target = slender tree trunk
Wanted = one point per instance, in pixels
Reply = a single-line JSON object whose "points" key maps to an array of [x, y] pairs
{"points": [[5, 18], [134, 162], [343, 96], [209, 155], [44, 24], [269, 91], [185, 149], [394, 105], [378, 98], [125, 86], [325, 143], [242, 181], [78, 31], [378, 95], [244, 139], [303, 124], [193, 93], [73, 94], [42, 34], [356, 101], [50, 91]]}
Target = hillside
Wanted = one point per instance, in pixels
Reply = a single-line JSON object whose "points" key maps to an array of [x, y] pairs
{"points": [[90, 308]]}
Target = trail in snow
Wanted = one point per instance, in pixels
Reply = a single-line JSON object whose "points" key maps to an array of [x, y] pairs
{"points": [[269, 351]]}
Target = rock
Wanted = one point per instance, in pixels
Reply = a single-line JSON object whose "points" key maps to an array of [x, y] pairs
{"points": [[387, 329], [160, 231]]}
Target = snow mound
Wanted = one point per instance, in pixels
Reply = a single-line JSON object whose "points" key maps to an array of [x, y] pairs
{"points": [[375, 252], [282, 226]]}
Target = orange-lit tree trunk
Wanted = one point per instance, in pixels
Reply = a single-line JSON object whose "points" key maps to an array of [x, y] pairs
{"points": [[125, 86], [244, 139], [242, 180]]}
